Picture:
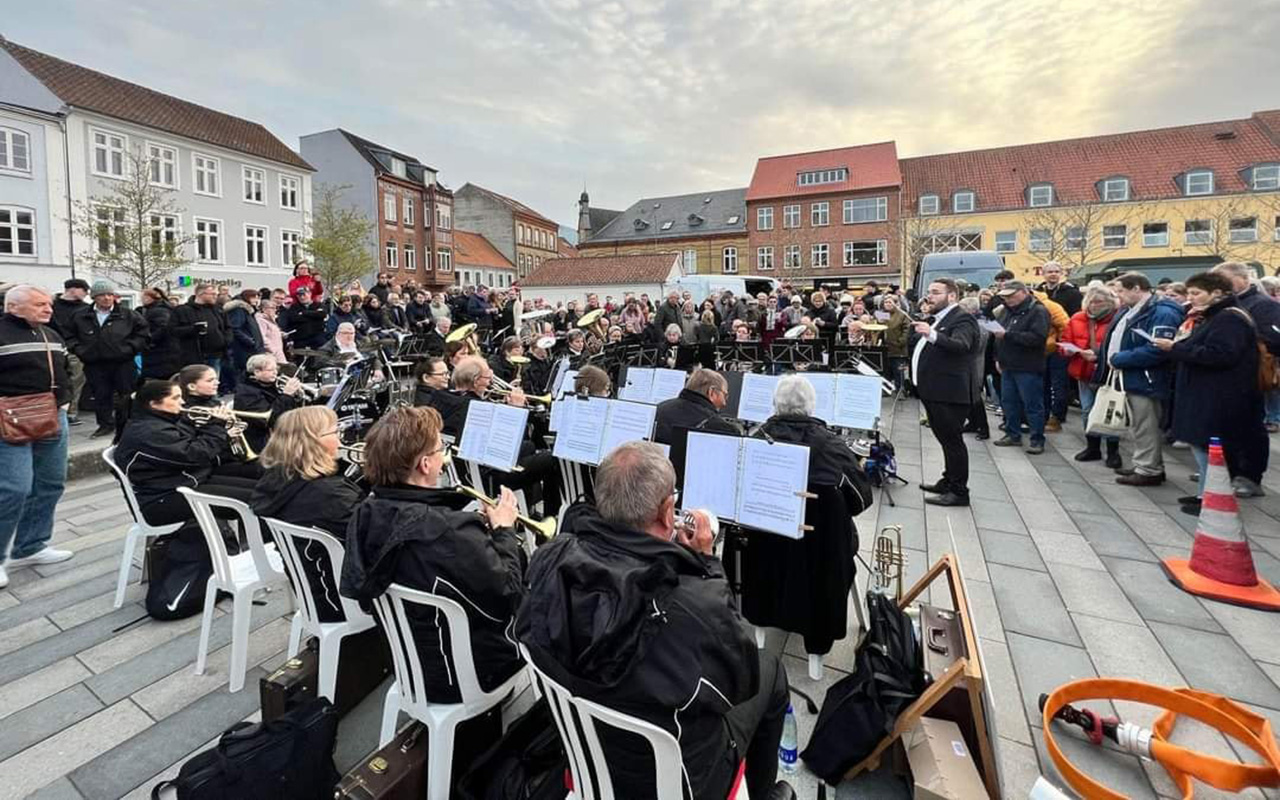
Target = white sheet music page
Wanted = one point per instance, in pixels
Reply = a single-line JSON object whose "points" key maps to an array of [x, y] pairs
{"points": [[711, 474], [628, 422], [773, 476], [506, 434], [639, 386], [755, 404], [579, 439], [667, 383], [560, 409], [475, 432], [858, 401], [824, 386]]}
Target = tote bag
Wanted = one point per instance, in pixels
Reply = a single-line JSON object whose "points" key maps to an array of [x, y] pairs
{"points": [[1110, 415]]}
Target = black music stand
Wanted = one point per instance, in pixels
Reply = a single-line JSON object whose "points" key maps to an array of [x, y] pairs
{"points": [[648, 355], [739, 353], [845, 357], [691, 355], [790, 352]]}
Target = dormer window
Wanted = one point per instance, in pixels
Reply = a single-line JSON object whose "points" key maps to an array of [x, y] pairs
{"points": [[1040, 195], [1266, 177], [640, 224], [963, 202], [1115, 190], [398, 167], [695, 220], [820, 176], [733, 220], [1197, 182], [928, 204]]}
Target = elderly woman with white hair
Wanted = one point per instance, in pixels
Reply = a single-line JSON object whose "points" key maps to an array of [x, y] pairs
{"points": [[803, 585], [263, 391]]}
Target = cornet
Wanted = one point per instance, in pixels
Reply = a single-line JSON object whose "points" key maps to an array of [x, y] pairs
{"points": [[200, 415], [547, 527], [353, 453], [503, 392], [888, 560], [309, 392]]}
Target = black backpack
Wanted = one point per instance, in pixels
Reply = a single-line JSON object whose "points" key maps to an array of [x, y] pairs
{"points": [[527, 763], [178, 577], [289, 758], [859, 710]]}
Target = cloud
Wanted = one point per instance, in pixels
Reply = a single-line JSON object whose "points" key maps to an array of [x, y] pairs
{"points": [[536, 98]]}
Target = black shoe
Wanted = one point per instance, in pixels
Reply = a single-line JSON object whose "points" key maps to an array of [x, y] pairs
{"points": [[1191, 509], [1007, 441], [103, 430], [74, 421], [948, 499], [941, 487], [1138, 479], [969, 429], [1088, 454], [1188, 499], [781, 791], [983, 436], [1035, 449], [1113, 459]]}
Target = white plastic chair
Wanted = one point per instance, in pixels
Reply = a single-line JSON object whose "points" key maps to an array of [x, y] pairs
{"points": [[408, 693], [306, 620], [138, 531], [240, 575], [575, 481], [581, 739]]}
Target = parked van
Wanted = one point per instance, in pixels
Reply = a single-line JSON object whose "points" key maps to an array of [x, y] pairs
{"points": [[978, 267], [704, 286]]}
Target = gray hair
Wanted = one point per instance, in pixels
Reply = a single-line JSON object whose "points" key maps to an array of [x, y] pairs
{"points": [[794, 397], [673, 327], [1270, 285], [1236, 269], [21, 293], [632, 483], [259, 362], [345, 326], [467, 371], [970, 304]]}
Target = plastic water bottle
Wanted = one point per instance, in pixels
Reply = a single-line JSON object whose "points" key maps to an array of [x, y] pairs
{"points": [[788, 748]]}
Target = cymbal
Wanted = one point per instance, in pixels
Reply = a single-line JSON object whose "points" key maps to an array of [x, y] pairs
{"points": [[590, 318], [305, 353], [874, 326], [461, 332], [535, 314]]}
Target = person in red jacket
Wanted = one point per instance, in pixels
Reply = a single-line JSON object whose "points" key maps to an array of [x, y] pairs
{"points": [[1080, 342], [302, 277]]}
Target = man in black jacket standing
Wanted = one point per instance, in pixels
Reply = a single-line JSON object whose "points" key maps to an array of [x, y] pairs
{"points": [[1020, 353], [65, 305], [105, 337], [943, 369], [305, 320], [201, 328], [635, 613]]}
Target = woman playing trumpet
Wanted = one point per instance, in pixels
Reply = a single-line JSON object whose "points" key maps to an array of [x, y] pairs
{"points": [[264, 392], [199, 385]]}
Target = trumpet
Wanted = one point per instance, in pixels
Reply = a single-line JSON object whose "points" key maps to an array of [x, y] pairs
{"points": [[354, 453], [203, 414], [888, 561], [467, 335], [546, 528], [504, 392], [309, 392]]}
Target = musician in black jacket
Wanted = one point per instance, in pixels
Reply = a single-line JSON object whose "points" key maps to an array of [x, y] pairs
{"points": [[947, 379], [696, 408], [432, 388], [537, 373], [410, 533], [201, 328], [305, 319], [260, 393]]}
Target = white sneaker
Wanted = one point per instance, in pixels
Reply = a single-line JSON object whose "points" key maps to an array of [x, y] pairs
{"points": [[45, 556], [4, 577]]}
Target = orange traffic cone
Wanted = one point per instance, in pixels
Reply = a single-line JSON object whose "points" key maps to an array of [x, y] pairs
{"points": [[1221, 564]]}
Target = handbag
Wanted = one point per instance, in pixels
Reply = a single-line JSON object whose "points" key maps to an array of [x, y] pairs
{"points": [[29, 418], [1110, 415]]}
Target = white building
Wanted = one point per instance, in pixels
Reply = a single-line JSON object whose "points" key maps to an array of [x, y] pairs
{"points": [[64, 133]]}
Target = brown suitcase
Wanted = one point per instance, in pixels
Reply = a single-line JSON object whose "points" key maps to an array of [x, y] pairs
{"points": [[942, 640], [363, 664], [395, 772]]}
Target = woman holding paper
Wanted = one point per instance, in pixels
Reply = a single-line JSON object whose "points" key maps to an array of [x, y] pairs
{"points": [[802, 585], [1085, 334]]}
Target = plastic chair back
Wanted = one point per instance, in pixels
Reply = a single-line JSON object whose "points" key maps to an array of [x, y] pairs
{"points": [[391, 608], [297, 546]]}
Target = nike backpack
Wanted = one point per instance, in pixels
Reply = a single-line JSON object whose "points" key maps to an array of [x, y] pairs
{"points": [[177, 586]]}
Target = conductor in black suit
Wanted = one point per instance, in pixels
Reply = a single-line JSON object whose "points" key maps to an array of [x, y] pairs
{"points": [[942, 369]]}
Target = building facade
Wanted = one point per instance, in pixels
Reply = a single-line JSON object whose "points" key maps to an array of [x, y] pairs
{"points": [[411, 211], [240, 195], [826, 218], [478, 263], [708, 230], [525, 237]]}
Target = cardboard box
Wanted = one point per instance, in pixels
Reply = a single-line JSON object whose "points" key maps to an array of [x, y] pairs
{"points": [[941, 766]]}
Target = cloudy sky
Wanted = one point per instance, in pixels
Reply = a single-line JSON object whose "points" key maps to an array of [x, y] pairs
{"points": [[535, 98]]}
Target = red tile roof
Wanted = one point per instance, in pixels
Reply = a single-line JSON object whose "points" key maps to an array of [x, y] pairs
{"points": [[514, 205], [1150, 159], [565, 249], [590, 271], [871, 166], [84, 88], [473, 250]]}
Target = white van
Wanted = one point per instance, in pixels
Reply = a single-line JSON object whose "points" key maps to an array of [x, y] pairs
{"points": [[704, 286]]}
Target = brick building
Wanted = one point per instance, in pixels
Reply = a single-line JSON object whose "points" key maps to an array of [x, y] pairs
{"points": [[525, 237]]}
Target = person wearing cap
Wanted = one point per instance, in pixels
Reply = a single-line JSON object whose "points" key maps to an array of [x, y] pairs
{"points": [[794, 312], [65, 305], [304, 322], [1020, 347], [105, 337]]}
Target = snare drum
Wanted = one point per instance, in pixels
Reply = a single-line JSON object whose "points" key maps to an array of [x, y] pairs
{"points": [[330, 376]]}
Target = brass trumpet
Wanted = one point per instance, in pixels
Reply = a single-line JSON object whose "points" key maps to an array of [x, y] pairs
{"points": [[547, 527], [309, 392], [888, 561], [503, 392], [467, 334], [202, 414], [353, 453]]}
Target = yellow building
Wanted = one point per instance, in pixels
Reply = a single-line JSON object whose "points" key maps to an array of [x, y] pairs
{"points": [[1193, 194]]}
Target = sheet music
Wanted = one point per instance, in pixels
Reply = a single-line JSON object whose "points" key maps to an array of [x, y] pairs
{"points": [[667, 383], [579, 437], [475, 432], [628, 422], [824, 386], [772, 477], [990, 325], [506, 434], [756, 402], [560, 409], [710, 474], [858, 401], [639, 386]]}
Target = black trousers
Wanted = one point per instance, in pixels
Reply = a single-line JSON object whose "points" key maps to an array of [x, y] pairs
{"points": [[538, 472], [978, 418], [761, 718], [946, 420], [111, 382], [173, 507]]}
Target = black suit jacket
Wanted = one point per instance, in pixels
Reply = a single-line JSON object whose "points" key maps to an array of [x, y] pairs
{"points": [[946, 371]]}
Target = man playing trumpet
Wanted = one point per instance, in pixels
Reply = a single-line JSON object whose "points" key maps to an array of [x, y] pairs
{"points": [[265, 391]]}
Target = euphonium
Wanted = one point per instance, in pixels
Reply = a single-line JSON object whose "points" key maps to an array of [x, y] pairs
{"points": [[546, 527], [465, 333], [595, 323]]}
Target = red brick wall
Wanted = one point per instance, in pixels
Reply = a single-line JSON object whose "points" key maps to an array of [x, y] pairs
{"points": [[834, 234]]}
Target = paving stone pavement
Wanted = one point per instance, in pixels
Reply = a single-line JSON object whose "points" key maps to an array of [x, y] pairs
{"points": [[1061, 566]]}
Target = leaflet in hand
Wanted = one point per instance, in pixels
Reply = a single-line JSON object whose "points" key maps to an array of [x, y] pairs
{"points": [[843, 399], [493, 434], [754, 482], [652, 385], [590, 428], [990, 325]]}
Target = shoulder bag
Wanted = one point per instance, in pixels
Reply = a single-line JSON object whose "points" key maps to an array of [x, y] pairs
{"points": [[1110, 414], [29, 418]]}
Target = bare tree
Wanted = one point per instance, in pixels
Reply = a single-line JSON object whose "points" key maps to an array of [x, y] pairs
{"points": [[1233, 228], [918, 236], [340, 238], [1073, 234], [132, 232]]}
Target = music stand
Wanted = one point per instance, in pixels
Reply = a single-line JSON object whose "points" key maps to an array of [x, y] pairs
{"points": [[648, 355], [796, 351], [845, 357], [691, 355], [739, 352]]}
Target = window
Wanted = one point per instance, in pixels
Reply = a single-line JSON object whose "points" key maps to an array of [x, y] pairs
{"points": [[1041, 195], [1040, 240], [444, 258], [164, 234], [1075, 238], [864, 254], [108, 154], [1198, 182], [163, 164], [398, 167], [866, 209], [254, 179], [690, 261], [18, 231], [444, 221], [791, 216], [110, 229], [1197, 231], [764, 218], [820, 214], [962, 202], [1276, 229], [409, 205], [1006, 241], [791, 256], [208, 240], [393, 256], [520, 233], [388, 208], [255, 246], [1243, 229], [290, 247], [820, 256], [15, 150], [818, 176], [764, 258], [729, 260], [1155, 234], [733, 219], [426, 218], [206, 171], [288, 192], [1115, 190], [1266, 177], [410, 256], [666, 226], [1114, 236], [928, 204]]}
